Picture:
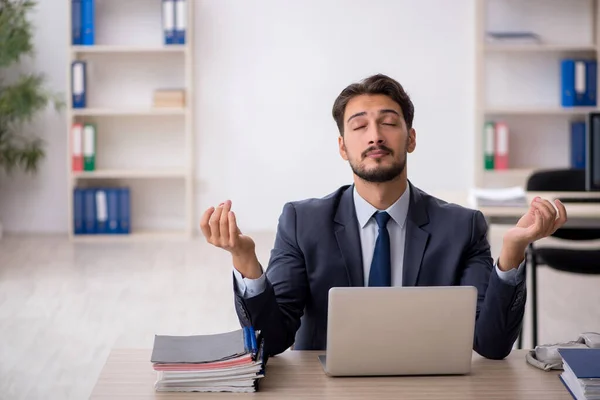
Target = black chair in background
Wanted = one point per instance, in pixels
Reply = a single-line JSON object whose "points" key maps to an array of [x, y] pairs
{"points": [[563, 259]]}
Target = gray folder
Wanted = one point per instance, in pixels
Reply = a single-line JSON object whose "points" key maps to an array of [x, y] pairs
{"points": [[198, 348]]}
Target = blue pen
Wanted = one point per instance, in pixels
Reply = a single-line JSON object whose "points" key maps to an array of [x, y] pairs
{"points": [[253, 339], [247, 342]]}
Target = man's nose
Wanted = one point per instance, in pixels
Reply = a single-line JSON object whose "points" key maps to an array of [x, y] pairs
{"points": [[375, 135]]}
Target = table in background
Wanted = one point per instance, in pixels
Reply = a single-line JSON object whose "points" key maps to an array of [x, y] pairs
{"points": [[128, 374], [584, 215]]}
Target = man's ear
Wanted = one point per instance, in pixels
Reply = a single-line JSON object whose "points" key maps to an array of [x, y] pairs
{"points": [[412, 140], [342, 147]]}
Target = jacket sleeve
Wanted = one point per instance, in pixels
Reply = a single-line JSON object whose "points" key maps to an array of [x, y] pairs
{"points": [[500, 302], [277, 310]]}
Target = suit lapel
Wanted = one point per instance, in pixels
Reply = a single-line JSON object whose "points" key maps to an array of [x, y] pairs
{"points": [[348, 238], [416, 238]]}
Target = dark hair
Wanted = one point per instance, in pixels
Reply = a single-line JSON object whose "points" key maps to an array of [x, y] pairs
{"points": [[376, 84]]}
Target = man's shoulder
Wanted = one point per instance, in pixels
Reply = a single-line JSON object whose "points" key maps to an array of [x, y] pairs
{"points": [[326, 203], [438, 207]]}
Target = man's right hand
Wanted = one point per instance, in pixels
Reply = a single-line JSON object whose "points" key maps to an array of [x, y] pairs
{"points": [[219, 227]]}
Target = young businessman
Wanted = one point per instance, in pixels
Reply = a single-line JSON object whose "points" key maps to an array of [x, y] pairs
{"points": [[380, 231]]}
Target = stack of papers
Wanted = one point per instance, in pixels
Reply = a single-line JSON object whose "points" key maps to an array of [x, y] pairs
{"points": [[228, 362], [509, 197], [513, 37], [581, 373]]}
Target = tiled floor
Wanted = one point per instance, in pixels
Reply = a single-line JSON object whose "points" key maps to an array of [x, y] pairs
{"points": [[63, 306]]}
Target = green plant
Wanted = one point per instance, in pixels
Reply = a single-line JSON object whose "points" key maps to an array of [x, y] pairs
{"points": [[22, 98]]}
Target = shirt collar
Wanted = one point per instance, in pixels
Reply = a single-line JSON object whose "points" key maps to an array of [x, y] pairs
{"points": [[398, 211]]}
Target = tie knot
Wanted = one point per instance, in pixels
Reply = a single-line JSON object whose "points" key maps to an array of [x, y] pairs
{"points": [[382, 219]]}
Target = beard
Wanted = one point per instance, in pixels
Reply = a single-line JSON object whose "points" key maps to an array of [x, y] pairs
{"points": [[380, 173]]}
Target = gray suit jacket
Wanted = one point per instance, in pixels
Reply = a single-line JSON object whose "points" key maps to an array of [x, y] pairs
{"points": [[317, 247]]}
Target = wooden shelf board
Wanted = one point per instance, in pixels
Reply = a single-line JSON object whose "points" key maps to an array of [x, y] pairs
{"points": [[126, 111], [539, 110], [131, 173], [120, 49], [510, 171], [134, 236], [536, 48]]}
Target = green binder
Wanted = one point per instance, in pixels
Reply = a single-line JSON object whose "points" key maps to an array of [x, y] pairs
{"points": [[89, 147], [488, 144]]}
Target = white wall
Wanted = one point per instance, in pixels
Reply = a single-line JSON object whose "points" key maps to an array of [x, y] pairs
{"points": [[267, 75]]}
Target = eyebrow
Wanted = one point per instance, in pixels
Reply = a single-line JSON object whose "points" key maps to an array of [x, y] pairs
{"points": [[384, 111]]}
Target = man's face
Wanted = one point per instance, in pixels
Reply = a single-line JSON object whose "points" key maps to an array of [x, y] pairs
{"points": [[376, 139]]}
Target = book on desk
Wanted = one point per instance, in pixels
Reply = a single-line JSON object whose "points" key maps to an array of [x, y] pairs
{"points": [[226, 362], [581, 374]]}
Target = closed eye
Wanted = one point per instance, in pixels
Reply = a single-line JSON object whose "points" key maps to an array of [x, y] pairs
{"points": [[359, 127], [390, 124]]}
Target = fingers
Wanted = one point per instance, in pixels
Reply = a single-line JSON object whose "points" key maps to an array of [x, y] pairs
{"points": [[562, 215], [233, 229], [224, 224], [204, 226], [215, 231], [548, 213], [538, 225], [219, 226]]}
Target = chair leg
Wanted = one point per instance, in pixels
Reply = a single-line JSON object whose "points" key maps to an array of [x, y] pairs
{"points": [[534, 320]]}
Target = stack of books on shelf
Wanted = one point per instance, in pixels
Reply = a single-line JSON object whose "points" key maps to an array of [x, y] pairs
{"points": [[227, 362], [581, 374], [98, 210]]}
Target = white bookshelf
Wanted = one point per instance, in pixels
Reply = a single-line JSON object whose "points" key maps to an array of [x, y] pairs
{"points": [[131, 173], [103, 49], [146, 148], [520, 83], [127, 111]]}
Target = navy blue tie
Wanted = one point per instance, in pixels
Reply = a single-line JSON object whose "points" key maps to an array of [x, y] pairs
{"points": [[381, 266]]}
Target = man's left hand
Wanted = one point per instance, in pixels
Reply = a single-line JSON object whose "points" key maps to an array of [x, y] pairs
{"points": [[540, 221]]}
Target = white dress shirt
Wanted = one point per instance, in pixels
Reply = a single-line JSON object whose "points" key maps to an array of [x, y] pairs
{"points": [[369, 231], [368, 236]]}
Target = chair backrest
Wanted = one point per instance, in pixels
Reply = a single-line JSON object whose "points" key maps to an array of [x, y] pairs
{"points": [[557, 180], [563, 180]]}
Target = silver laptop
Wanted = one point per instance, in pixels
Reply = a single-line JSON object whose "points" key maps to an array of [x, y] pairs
{"points": [[400, 331]]}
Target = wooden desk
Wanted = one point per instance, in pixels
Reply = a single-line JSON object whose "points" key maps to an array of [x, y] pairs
{"points": [[128, 374]]}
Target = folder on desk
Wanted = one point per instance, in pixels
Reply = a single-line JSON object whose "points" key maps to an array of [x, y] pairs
{"points": [[180, 21], [581, 374], [168, 20], [79, 83], [226, 362], [88, 36]]}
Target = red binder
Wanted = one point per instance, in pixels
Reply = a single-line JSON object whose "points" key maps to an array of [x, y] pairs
{"points": [[501, 153], [77, 147]]}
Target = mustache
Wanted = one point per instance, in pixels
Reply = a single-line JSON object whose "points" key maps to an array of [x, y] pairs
{"points": [[373, 148]]}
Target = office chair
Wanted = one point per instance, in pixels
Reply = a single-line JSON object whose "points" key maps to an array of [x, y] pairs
{"points": [[576, 261]]}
